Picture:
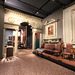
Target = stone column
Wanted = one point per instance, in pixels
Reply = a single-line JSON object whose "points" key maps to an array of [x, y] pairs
{"points": [[16, 43], [3, 41], [40, 40], [33, 41]]}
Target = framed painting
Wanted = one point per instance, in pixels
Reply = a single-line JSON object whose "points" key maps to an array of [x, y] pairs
{"points": [[51, 30]]}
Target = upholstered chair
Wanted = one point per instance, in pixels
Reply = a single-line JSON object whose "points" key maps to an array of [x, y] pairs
{"points": [[68, 51], [58, 49], [42, 45], [49, 48]]}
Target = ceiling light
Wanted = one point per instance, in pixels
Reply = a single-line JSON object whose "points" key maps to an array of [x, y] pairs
{"points": [[29, 24], [5, 0], [36, 13]]}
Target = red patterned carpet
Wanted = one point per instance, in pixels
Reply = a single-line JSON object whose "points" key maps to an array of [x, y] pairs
{"points": [[29, 64]]}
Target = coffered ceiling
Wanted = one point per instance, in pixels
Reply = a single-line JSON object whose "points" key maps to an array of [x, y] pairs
{"points": [[39, 8]]}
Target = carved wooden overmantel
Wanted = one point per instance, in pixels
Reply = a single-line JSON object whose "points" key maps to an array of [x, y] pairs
{"points": [[69, 25]]}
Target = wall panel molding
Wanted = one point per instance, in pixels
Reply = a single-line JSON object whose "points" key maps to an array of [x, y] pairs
{"points": [[69, 25]]}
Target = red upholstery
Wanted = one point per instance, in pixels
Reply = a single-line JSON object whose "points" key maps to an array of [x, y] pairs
{"points": [[42, 45], [48, 50], [65, 53], [47, 46], [50, 46], [58, 47], [56, 51], [68, 50]]}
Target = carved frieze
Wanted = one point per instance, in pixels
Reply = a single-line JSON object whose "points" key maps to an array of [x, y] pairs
{"points": [[15, 17]]}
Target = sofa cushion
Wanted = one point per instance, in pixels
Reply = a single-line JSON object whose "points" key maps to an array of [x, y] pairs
{"points": [[66, 53], [48, 50], [47, 46], [56, 51], [40, 50]]}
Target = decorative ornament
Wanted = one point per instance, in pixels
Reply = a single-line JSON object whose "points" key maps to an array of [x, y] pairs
{"points": [[11, 19]]}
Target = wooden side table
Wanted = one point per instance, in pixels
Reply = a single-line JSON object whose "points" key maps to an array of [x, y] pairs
{"points": [[73, 52]]}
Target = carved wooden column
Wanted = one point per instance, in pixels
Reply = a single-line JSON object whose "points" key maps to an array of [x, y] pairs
{"points": [[16, 43]]}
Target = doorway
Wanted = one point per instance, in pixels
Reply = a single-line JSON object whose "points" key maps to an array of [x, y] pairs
{"points": [[10, 41], [26, 36], [37, 39]]}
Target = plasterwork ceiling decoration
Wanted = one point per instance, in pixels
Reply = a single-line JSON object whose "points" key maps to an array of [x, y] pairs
{"points": [[15, 17]]}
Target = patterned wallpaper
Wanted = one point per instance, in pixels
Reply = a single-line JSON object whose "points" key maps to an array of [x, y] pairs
{"points": [[15, 17]]}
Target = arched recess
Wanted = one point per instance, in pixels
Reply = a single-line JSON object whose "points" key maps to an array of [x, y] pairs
{"points": [[16, 28], [26, 35]]}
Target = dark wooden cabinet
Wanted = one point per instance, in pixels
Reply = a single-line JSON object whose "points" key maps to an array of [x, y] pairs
{"points": [[9, 51]]}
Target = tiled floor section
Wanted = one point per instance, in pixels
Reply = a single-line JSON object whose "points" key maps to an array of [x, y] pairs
{"points": [[29, 64]]}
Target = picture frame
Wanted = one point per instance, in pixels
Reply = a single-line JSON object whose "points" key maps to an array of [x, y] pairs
{"points": [[51, 30]]}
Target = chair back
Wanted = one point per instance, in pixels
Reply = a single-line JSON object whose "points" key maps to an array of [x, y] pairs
{"points": [[50, 46], [58, 47], [68, 48], [42, 45], [47, 46]]}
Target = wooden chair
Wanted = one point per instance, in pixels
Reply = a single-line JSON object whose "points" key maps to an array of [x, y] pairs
{"points": [[68, 51], [58, 49], [49, 48]]}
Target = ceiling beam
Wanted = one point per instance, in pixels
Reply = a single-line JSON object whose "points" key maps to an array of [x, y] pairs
{"points": [[54, 10], [22, 11], [59, 2], [41, 7], [31, 5], [70, 2]]}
